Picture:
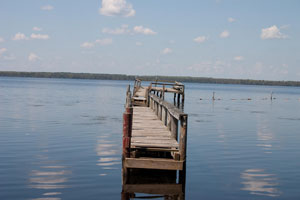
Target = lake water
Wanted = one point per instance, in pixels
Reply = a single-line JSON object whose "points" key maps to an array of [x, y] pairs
{"points": [[62, 139]]}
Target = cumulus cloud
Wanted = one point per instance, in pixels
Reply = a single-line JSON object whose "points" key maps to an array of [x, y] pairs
{"points": [[118, 31], [166, 51], [200, 39], [102, 42], [33, 57], [2, 50], [238, 58], [142, 30], [224, 34], [87, 45], [210, 67], [124, 29], [138, 44], [47, 7], [105, 41], [116, 8], [1, 39], [272, 32], [230, 19], [20, 36], [39, 36], [36, 28]]}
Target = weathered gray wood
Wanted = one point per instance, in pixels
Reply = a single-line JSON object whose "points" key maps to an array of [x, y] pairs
{"points": [[183, 138], [174, 127], [164, 189], [153, 163], [175, 112], [164, 115]]}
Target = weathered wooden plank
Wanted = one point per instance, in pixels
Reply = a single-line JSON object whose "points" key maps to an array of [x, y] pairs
{"points": [[170, 146], [153, 163], [173, 110], [163, 189]]}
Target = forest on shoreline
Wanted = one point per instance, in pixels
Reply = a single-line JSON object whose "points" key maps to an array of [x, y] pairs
{"points": [[190, 79]]}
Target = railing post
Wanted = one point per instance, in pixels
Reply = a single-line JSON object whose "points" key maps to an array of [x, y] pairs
{"points": [[127, 125], [174, 127], [183, 138], [164, 115], [163, 93], [178, 100]]}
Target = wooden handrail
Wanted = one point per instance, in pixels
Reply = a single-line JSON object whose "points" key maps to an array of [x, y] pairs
{"points": [[173, 110], [171, 116], [172, 84]]}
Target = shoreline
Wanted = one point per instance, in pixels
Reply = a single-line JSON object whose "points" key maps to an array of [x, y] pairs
{"points": [[188, 79]]}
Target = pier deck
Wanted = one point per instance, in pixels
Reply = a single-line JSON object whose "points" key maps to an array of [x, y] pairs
{"points": [[154, 138], [154, 131], [149, 132]]}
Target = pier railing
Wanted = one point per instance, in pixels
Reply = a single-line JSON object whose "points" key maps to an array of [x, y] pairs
{"points": [[174, 119]]}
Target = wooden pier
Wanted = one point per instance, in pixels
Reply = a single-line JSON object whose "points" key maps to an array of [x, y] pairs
{"points": [[154, 130]]}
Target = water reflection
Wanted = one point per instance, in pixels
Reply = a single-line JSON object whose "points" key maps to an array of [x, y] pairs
{"points": [[108, 154], [153, 184], [49, 175], [257, 182], [264, 135]]}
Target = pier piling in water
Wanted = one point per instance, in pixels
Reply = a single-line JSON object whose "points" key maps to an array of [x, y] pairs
{"points": [[154, 135]]}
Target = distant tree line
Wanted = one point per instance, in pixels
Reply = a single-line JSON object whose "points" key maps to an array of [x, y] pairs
{"points": [[146, 78]]}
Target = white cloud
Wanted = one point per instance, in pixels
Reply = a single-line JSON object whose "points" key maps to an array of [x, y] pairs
{"points": [[2, 50], [36, 28], [142, 30], [47, 7], [272, 32], [105, 41], [116, 8], [238, 58], [9, 57], [1, 39], [138, 44], [224, 34], [210, 67], [200, 39], [33, 57], [102, 42], [230, 19], [166, 51], [20, 36], [87, 45], [39, 36], [118, 31]]}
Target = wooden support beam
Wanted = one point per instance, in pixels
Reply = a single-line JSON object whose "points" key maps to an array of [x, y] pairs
{"points": [[153, 163], [164, 189], [183, 138]]}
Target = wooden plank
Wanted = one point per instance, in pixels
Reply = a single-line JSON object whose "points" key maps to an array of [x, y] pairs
{"points": [[165, 146], [153, 163], [163, 189], [154, 145], [173, 110]]}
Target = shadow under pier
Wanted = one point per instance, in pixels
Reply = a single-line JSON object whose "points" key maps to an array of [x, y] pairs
{"points": [[153, 184]]}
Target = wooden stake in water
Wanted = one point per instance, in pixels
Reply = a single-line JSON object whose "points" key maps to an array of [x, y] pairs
{"points": [[271, 96]]}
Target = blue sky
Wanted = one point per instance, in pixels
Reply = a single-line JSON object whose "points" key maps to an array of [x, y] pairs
{"points": [[257, 39]]}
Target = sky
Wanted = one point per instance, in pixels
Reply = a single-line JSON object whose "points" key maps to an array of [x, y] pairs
{"points": [[247, 39]]}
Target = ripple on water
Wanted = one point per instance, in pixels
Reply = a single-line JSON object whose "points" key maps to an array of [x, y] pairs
{"points": [[290, 118], [257, 182]]}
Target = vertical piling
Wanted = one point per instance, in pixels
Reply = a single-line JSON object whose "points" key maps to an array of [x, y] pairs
{"points": [[127, 130]]}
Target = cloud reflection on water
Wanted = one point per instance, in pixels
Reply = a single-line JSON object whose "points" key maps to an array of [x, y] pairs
{"points": [[49, 175], [264, 135], [108, 154], [257, 182]]}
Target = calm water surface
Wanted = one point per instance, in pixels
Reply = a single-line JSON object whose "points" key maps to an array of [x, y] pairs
{"points": [[61, 139]]}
